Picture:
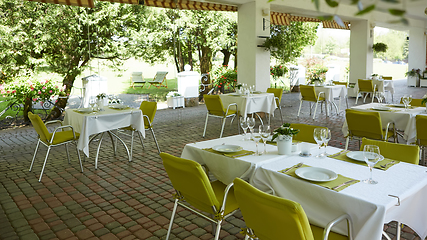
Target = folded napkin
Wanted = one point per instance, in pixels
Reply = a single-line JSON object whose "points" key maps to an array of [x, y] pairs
{"points": [[338, 184], [388, 110], [409, 107], [82, 112], [120, 108], [240, 153], [385, 162]]}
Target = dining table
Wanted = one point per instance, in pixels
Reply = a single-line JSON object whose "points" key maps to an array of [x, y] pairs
{"points": [[398, 196], [404, 119], [333, 92], [87, 123], [382, 86], [251, 103]]}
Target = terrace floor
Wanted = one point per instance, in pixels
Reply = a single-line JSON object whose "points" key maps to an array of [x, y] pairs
{"points": [[125, 200]]}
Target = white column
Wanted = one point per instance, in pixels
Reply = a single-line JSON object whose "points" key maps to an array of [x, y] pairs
{"points": [[361, 55], [417, 48], [253, 63]]}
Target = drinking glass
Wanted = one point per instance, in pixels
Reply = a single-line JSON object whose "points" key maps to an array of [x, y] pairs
{"points": [[92, 103], [318, 137], [326, 137], [406, 100], [265, 132], [244, 126], [251, 124], [371, 154], [256, 136]]}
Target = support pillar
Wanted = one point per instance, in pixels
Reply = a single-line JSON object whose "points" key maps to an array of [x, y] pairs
{"points": [[253, 62], [417, 49], [361, 54]]}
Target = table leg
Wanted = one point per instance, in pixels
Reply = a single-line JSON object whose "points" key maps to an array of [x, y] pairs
{"points": [[127, 150], [97, 151], [112, 141]]}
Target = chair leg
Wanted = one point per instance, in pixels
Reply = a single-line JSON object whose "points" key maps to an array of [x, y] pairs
{"points": [[315, 109], [222, 128], [206, 124], [34, 156], [281, 117], [68, 154], [131, 145], [44, 164], [218, 229], [346, 143], [357, 98], [80, 159], [172, 217], [155, 139], [140, 139], [299, 109], [398, 230]]}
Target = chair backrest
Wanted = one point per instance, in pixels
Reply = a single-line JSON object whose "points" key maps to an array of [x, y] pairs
{"points": [[365, 85], [308, 93], [306, 132], [137, 77], [40, 127], [191, 182], [278, 92], [401, 152], [271, 217], [214, 105], [160, 76], [364, 124], [340, 83], [149, 109], [416, 102], [421, 124], [387, 78]]}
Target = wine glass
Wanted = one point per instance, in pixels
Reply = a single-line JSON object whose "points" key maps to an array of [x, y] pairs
{"points": [[371, 154], [326, 137], [251, 124], [265, 132], [409, 101], [244, 126], [318, 137], [256, 136], [406, 99], [92, 103]]}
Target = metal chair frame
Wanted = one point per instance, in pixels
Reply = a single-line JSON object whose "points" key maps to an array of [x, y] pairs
{"points": [[223, 118], [374, 95], [317, 101]]}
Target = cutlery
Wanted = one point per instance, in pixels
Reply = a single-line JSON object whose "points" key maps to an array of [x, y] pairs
{"points": [[242, 154], [385, 165], [296, 166], [341, 185]]}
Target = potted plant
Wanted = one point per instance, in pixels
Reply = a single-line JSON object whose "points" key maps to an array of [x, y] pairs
{"points": [[316, 80], [100, 101], [374, 76], [174, 100], [413, 77], [379, 47], [284, 135]]}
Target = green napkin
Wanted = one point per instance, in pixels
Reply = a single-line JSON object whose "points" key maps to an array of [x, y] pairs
{"points": [[120, 108], [241, 153], [385, 162], [389, 110], [409, 107], [77, 111], [335, 185]]}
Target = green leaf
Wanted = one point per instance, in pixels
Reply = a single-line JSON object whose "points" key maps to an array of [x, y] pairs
{"points": [[396, 12], [326, 18], [331, 3], [391, 1], [316, 4], [354, 2], [366, 10]]}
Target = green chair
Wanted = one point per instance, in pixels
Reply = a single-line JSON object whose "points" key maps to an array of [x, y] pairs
{"points": [[149, 110], [278, 92], [270, 217], [395, 151], [56, 138], [421, 125], [216, 109], [366, 87], [192, 186], [306, 132], [308, 93], [367, 124], [416, 102]]}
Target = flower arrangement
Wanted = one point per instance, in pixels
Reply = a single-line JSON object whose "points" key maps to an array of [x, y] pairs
{"points": [[101, 96], [414, 73], [278, 71], [173, 94], [284, 130], [25, 89], [225, 77], [315, 78]]}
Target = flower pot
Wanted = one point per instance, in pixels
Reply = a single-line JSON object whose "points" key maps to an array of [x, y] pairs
{"points": [[100, 103], [284, 144]]}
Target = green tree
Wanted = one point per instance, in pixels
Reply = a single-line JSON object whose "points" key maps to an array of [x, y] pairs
{"points": [[66, 38], [287, 42], [330, 46]]}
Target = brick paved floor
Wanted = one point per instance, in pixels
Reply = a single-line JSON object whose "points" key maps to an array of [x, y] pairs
{"points": [[123, 200]]}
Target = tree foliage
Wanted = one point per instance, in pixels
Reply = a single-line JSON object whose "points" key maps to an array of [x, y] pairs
{"points": [[287, 43]]}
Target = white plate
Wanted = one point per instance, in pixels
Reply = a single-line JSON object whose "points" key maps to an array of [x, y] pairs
{"points": [[316, 174], [257, 92], [234, 94], [356, 155], [381, 108], [118, 106], [84, 110], [227, 148], [399, 105]]}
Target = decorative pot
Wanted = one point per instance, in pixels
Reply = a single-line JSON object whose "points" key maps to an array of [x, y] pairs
{"points": [[284, 144], [100, 103]]}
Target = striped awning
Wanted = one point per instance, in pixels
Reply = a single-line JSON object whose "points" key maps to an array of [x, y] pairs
{"points": [[81, 3], [190, 5], [136, 2], [333, 24], [303, 19], [277, 18]]}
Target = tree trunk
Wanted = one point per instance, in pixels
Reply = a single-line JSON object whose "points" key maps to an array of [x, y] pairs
{"points": [[235, 61], [28, 107], [227, 56], [190, 54], [174, 53], [206, 60], [62, 101]]}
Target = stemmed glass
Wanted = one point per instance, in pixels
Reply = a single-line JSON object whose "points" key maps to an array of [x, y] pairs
{"points": [[251, 124], [406, 99], [265, 132], [326, 137], [318, 137], [256, 136], [244, 125], [371, 154], [92, 104]]}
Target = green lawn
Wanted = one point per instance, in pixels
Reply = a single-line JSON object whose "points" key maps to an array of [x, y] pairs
{"points": [[157, 94]]}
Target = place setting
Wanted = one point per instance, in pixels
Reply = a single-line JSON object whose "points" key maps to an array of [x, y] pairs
{"points": [[228, 150]]}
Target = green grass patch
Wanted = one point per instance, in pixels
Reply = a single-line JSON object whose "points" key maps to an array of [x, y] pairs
{"points": [[157, 94]]}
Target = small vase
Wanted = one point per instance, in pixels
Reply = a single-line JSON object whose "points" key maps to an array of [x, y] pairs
{"points": [[284, 144], [100, 103]]}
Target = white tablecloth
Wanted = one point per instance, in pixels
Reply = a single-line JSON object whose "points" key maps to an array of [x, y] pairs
{"points": [[332, 92], [403, 120], [368, 205], [110, 119], [263, 102]]}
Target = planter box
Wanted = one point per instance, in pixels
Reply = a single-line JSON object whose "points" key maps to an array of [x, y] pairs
{"points": [[413, 82], [175, 102], [423, 82]]}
